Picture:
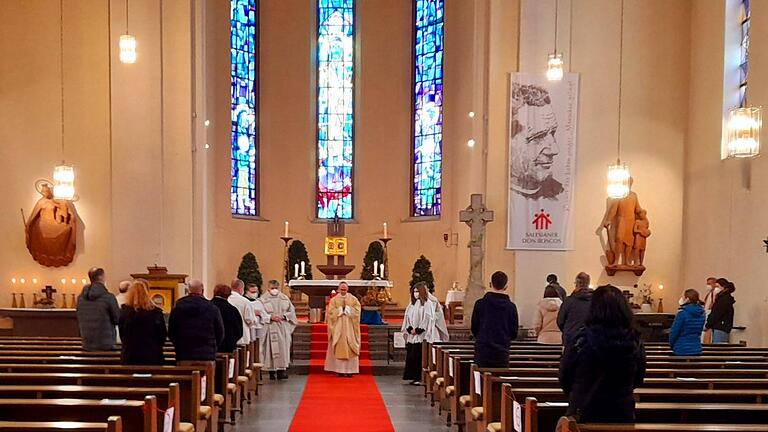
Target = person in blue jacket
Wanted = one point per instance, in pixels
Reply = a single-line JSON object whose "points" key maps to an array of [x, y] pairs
{"points": [[685, 334]]}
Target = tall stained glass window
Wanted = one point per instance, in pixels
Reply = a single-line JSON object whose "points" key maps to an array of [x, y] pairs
{"points": [[428, 108], [243, 47], [745, 17], [335, 107]]}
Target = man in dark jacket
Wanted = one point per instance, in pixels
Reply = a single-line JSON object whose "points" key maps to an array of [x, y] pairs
{"points": [[494, 324], [97, 314], [575, 309], [552, 282], [195, 326], [233, 322]]}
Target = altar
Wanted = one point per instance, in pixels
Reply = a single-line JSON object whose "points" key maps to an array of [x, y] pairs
{"points": [[42, 322], [318, 290]]}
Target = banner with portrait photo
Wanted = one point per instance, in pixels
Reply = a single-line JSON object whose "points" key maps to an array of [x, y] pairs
{"points": [[542, 161]]}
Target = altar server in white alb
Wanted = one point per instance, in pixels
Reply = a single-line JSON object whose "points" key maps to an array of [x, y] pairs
{"points": [[276, 333], [246, 309], [418, 323], [440, 331]]}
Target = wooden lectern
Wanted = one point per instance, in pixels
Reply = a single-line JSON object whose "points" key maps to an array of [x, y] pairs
{"points": [[163, 286]]}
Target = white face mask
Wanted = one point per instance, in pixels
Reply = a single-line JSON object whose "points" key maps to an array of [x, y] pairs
{"points": [[682, 301], [416, 295], [274, 291]]}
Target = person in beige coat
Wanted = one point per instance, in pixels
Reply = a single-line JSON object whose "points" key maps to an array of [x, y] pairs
{"points": [[546, 318]]}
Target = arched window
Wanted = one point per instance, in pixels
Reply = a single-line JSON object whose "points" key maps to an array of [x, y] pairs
{"points": [[244, 139], [335, 108], [426, 196]]}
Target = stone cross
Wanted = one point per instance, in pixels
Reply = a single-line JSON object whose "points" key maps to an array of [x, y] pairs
{"points": [[476, 216]]}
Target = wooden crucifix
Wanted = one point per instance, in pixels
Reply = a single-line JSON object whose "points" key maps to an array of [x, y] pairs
{"points": [[476, 216]]}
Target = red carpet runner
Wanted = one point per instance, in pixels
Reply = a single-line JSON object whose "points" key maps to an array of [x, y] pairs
{"points": [[337, 404]]}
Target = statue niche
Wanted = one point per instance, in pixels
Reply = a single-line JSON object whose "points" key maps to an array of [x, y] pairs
{"points": [[627, 228], [51, 230]]}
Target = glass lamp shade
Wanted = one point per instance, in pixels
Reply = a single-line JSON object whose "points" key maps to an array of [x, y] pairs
{"points": [[64, 182], [743, 132], [618, 180], [555, 67], [127, 49]]}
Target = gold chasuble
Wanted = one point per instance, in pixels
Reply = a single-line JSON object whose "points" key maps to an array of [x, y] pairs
{"points": [[343, 319]]}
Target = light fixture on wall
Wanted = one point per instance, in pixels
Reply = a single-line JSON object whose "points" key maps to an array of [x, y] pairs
{"points": [[555, 59], [618, 173], [743, 132], [64, 174], [127, 43]]}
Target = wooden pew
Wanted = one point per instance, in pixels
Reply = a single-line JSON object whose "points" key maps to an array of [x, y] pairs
{"points": [[678, 427], [138, 416], [113, 424]]}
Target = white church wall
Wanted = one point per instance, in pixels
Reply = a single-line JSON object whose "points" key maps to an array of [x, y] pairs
{"points": [[653, 132], [725, 204]]}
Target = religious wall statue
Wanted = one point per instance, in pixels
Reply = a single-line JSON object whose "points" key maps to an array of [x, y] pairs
{"points": [[51, 229], [627, 227]]}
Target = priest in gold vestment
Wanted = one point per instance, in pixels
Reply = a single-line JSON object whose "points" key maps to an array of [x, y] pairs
{"points": [[343, 319]]}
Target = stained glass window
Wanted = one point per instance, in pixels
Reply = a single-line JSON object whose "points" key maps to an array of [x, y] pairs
{"points": [[745, 16], [428, 108], [335, 107], [244, 176]]}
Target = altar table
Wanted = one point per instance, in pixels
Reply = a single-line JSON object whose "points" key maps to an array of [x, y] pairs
{"points": [[42, 322]]}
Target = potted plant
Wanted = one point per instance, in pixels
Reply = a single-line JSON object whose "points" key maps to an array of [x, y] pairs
{"points": [[249, 271]]}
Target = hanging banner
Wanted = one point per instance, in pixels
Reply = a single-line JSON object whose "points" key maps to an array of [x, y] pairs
{"points": [[542, 161]]}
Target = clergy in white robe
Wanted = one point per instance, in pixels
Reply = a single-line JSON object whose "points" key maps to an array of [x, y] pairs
{"points": [[276, 334], [245, 308], [418, 323], [343, 320]]}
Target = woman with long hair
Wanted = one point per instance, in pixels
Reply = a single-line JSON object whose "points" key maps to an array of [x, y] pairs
{"points": [[604, 365], [685, 334], [546, 327], [720, 320], [418, 321], [142, 327]]}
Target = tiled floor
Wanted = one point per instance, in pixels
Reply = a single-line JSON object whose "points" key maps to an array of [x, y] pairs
{"points": [[274, 409]]}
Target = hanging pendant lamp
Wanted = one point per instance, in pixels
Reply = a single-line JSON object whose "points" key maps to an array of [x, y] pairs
{"points": [[555, 59], [618, 173], [64, 174], [127, 43]]}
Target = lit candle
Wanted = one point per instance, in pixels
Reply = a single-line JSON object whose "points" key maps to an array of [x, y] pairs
{"points": [[84, 281], [74, 281], [63, 281], [286, 229], [13, 281], [381, 271], [661, 287], [376, 268], [385, 230], [34, 280], [303, 268], [23, 281], [296, 271]]}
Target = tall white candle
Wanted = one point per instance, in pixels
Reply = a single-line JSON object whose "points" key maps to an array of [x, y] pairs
{"points": [[296, 271], [385, 230], [376, 268], [303, 268], [285, 234], [381, 271]]}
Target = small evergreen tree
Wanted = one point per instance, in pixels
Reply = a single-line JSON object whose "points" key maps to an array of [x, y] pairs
{"points": [[249, 270], [375, 252], [422, 272], [297, 252]]}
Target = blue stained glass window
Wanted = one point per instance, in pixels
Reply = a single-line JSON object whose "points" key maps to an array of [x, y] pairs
{"points": [[428, 107], [745, 16], [335, 107], [243, 47]]}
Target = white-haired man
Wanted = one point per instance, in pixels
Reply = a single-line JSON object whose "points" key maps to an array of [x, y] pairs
{"points": [[195, 326], [122, 295]]}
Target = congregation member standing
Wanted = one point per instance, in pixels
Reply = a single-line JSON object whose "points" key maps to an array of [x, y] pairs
{"points": [[97, 314], [246, 309], [122, 295], [685, 333], [195, 327], [142, 328], [230, 316], [720, 320], [494, 324], [277, 332], [713, 289], [419, 320], [605, 363], [546, 327], [343, 320], [575, 309], [552, 282]]}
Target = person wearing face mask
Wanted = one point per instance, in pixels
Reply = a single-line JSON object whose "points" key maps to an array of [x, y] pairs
{"points": [[720, 320], [343, 320], [418, 322], [713, 289], [685, 334], [275, 336]]}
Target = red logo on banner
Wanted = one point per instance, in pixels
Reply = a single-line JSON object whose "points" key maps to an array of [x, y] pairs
{"points": [[542, 220]]}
